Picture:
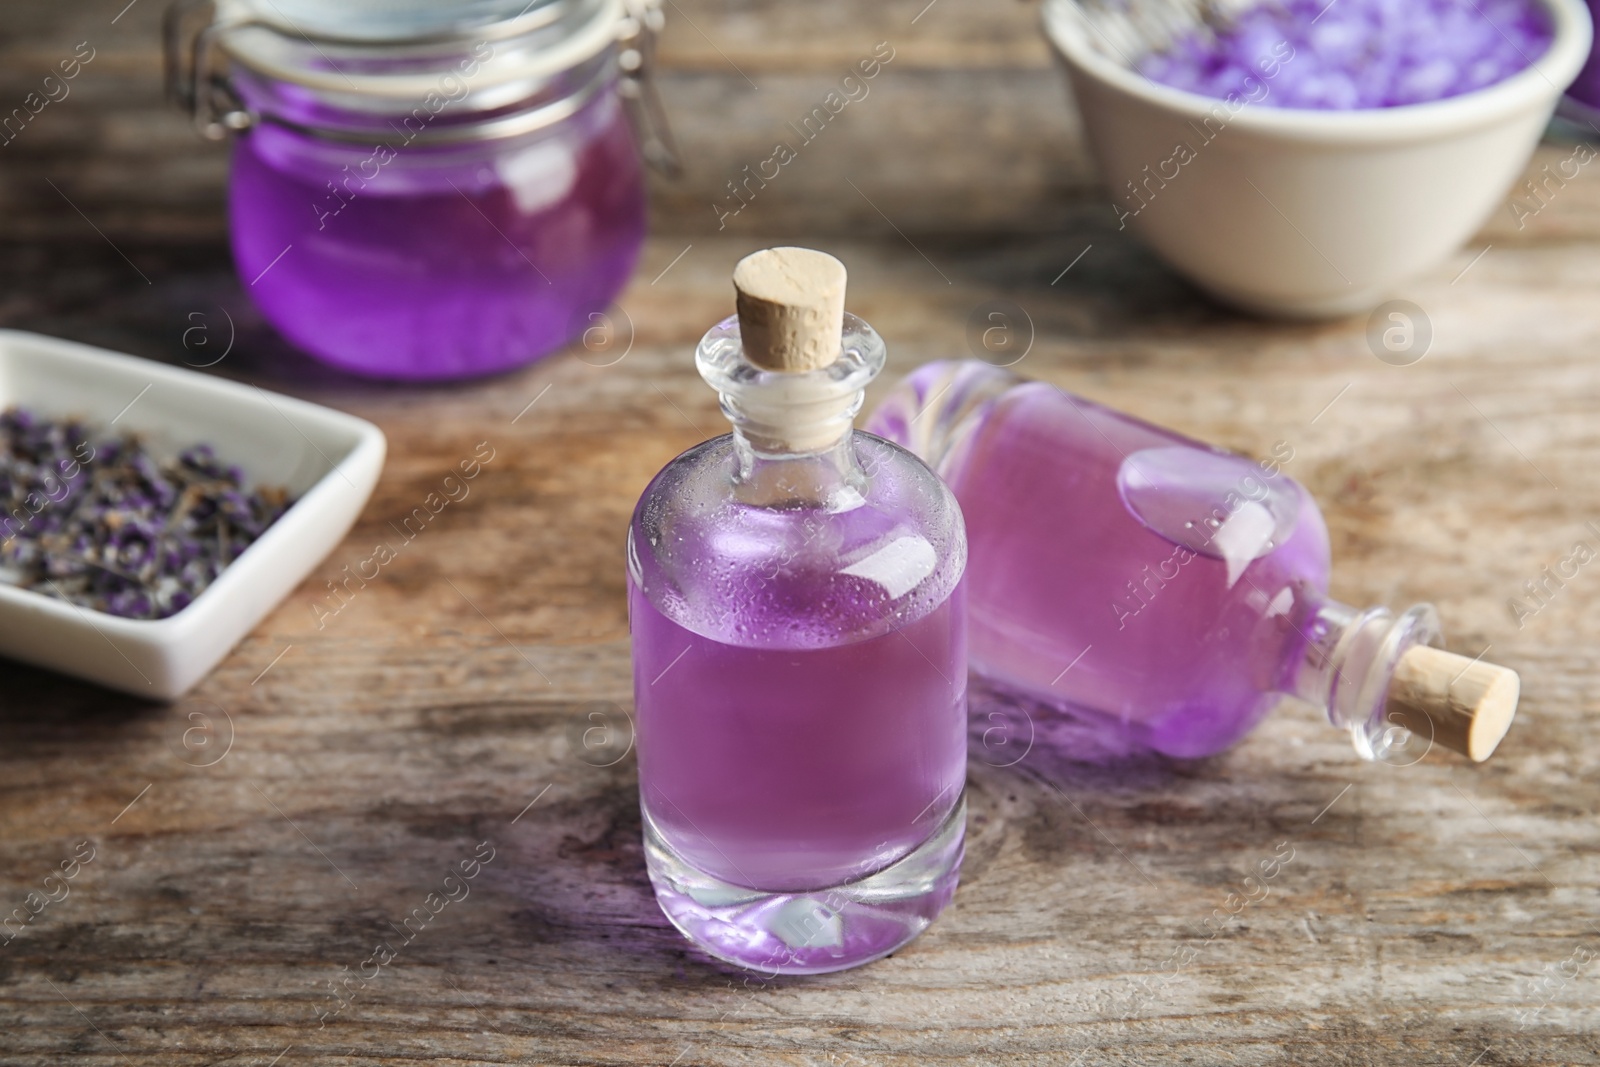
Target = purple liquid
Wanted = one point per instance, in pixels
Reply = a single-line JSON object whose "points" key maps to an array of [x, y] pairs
{"points": [[799, 769], [800, 700], [1356, 53], [1585, 87], [799, 725], [442, 262], [1148, 586]]}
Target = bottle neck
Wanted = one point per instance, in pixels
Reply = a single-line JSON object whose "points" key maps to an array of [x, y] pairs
{"points": [[793, 432], [1347, 659], [778, 415], [830, 477], [933, 409]]}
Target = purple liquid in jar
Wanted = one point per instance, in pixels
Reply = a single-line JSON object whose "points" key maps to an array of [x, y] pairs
{"points": [[799, 650], [444, 261], [1356, 53], [1154, 590]]}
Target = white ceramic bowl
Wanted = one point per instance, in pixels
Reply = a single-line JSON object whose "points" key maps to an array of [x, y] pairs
{"points": [[326, 459], [1306, 213]]}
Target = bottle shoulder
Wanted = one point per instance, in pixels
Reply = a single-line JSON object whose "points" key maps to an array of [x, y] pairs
{"points": [[884, 554]]}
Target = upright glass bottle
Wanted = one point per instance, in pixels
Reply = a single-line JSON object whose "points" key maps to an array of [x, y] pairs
{"points": [[799, 649], [1149, 592]]}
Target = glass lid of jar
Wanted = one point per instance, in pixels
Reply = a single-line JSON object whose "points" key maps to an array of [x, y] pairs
{"points": [[394, 20], [372, 56], [364, 48]]}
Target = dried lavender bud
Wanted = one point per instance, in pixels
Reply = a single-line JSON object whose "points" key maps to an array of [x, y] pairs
{"points": [[102, 524]]}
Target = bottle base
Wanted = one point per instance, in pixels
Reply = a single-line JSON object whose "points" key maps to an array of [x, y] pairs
{"points": [[815, 931]]}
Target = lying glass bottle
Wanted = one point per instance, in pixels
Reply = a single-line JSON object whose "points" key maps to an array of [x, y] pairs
{"points": [[798, 617], [1155, 593]]}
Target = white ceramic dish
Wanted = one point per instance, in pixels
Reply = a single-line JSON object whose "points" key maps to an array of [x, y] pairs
{"points": [[1307, 213], [329, 462]]}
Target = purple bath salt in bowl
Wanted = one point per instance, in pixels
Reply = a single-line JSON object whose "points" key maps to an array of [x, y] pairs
{"points": [[1353, 54], [1585, 89]]}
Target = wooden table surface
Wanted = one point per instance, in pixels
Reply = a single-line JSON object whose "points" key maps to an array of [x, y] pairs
{"points": [[253, 841]]}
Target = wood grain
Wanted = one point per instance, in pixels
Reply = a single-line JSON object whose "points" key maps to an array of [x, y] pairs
{"points": [[1438, 913], [1420, 904]]}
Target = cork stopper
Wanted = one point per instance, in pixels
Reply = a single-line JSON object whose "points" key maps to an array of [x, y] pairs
{"points": [[791, 308], [1465, 705]]}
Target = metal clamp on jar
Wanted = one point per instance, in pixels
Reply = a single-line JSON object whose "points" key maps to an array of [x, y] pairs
{"points": [[428, 192]]}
